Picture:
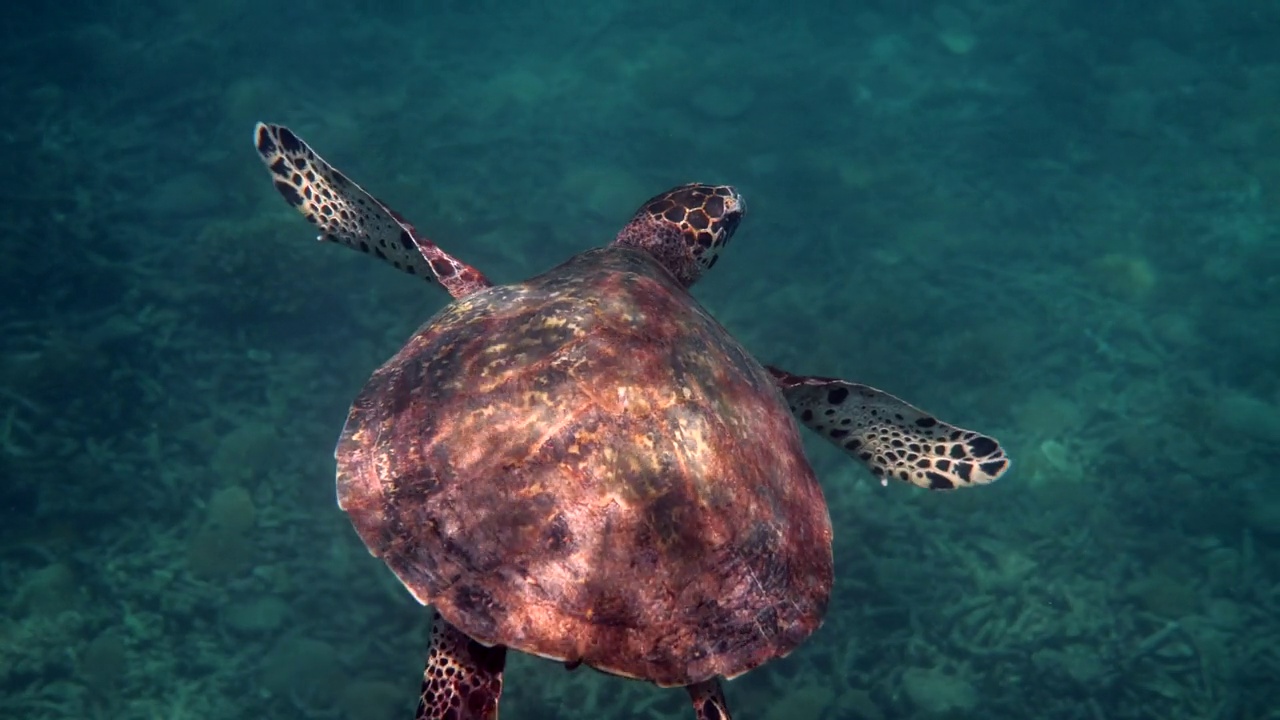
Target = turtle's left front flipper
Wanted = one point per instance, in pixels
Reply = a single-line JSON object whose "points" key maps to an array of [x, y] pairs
{"points": [[891, 437], [348, 215]]}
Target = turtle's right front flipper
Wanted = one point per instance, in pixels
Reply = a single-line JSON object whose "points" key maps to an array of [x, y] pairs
{"points": [[891, 437], [346, 214]]}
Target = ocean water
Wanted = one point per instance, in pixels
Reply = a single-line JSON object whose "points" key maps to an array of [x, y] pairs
{"points": [[1054, 222]]}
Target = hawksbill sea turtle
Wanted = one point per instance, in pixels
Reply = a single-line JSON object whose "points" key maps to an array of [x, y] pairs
{"points": [[586, 466]]}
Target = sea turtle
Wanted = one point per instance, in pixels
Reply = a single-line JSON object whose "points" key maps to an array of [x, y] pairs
{"points": [[586, 466]]}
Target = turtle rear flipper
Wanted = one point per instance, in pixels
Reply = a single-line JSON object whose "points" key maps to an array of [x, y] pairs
{"points": [[891, 437], [463, 679], [708, 701], [346, 214]]}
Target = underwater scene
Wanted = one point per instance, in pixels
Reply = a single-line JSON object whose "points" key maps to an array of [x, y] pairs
{"points": [[1054, 223]]}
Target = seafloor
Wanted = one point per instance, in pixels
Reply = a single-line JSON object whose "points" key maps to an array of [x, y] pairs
{"points": [[1054, 221]]}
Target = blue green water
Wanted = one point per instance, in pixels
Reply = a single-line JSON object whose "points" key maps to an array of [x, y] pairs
{"points": [[1055, 222]]}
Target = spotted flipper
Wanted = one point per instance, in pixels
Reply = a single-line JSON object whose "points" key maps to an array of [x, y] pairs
{"points": [[463, 679], [708, 700], [346, 214], [892, 438]]}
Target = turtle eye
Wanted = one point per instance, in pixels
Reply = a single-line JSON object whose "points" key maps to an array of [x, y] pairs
{"points": [[725, 208], [727, 225], [721, 213]]}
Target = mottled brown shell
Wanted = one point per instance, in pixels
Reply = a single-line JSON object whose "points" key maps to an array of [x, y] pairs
{"points": [[587, 467]]}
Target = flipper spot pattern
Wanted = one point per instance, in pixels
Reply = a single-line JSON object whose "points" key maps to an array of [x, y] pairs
{"points": [[346, 214], [891, 437]]}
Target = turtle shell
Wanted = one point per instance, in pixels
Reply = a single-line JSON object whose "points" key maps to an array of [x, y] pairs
{"points": [[587, 467]]}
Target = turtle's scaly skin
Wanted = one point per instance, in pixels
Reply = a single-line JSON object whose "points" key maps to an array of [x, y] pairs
{"points": [[586, 466]]}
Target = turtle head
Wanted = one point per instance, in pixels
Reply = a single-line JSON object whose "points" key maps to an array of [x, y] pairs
{"points": [[685, 227]]}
